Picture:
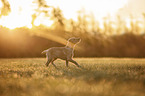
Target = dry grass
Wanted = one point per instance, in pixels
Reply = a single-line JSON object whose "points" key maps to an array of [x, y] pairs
{"points": [[98, 77]]}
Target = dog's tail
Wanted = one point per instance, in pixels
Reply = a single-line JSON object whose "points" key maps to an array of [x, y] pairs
{"points": [[45, 51]]}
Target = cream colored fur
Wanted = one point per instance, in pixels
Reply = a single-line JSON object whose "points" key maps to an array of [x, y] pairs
{"points": [[65, 53]]}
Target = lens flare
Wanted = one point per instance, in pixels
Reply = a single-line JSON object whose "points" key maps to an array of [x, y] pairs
{"points": [[55, 38]]}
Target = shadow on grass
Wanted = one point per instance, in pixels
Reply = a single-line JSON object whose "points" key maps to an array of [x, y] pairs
{"points": [[92, 74], [82, 73]]}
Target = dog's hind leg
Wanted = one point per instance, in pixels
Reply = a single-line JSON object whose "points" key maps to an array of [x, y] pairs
{"points": [[53, 62], [48, 62], [67, 63], [48, 59]]}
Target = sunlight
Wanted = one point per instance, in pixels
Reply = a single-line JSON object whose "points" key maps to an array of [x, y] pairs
{"points": [[1, 4], [104, 7], [128, 23], [52, 37], [13, 21], [20, 15], [141, 25], [100, 8], [101, 24], [43, 20], [22, 11]]}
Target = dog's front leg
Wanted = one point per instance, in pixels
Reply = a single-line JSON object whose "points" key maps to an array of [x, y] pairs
{"points": [[73, 61]]}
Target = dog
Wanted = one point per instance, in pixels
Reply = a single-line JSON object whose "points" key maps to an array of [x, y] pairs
{"points": [[65, 53]]}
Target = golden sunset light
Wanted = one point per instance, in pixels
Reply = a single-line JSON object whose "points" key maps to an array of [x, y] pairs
{"points": [[72, 47], [20, 15], [22, 11], [99, 7]]}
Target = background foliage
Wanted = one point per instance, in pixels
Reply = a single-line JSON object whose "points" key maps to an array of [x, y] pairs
{"points": [[111, 38]]}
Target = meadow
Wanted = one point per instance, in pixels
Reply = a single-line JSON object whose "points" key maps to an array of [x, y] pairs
{"points": [[97, 77]]}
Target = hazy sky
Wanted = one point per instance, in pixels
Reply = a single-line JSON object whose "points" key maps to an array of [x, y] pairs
{"points": [[135, 7], [22, 10], [101, 8]]}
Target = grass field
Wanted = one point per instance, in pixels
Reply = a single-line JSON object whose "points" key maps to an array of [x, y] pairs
{"points": [[97, 77]]}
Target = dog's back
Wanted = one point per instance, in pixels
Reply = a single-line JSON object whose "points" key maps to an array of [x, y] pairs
{"points": [[58, 52]]}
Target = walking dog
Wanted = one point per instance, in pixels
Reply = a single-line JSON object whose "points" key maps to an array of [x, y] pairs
{"points": [[65, 53]]}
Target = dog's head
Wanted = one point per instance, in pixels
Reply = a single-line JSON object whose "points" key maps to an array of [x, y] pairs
{"points": [[74, 40]]}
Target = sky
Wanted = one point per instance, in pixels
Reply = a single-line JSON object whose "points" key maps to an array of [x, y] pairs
{"points": [[22, 10], [135, 7], [99, 8]]}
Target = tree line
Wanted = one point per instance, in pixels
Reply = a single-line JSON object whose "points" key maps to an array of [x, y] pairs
{"points": [[106, 39]]}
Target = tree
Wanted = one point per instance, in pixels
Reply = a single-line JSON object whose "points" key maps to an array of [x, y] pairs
{"points": [[144, 20], [82, 21], [57, 16], [42, 7], [6, 9]]}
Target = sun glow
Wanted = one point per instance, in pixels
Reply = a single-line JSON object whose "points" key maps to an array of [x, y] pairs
{"points": [[22, 11], [1, 4], [20, 15], [128, 25], [99, 8], [43, 20]]}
